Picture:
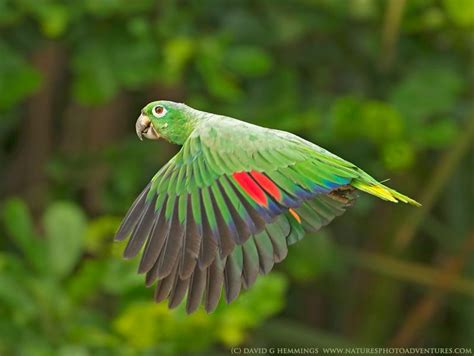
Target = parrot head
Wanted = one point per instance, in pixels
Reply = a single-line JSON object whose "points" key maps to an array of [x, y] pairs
{"points": [[165, 119]]}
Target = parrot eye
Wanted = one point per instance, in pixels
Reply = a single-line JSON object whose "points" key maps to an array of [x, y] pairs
{"points": [[159, 111]]}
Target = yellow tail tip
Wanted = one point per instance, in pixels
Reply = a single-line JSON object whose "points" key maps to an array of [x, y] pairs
{"points": [[385, 193]]}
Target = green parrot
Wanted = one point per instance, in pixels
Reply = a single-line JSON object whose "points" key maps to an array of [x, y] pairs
{"points": [[226, 207]]}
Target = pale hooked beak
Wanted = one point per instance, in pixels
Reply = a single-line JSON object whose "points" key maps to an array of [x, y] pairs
{"points": [[144, 128]]}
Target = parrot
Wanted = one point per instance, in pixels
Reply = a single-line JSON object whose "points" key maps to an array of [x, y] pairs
{"points": [[226, 207]]}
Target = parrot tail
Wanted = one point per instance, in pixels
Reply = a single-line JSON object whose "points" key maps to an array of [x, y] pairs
{"points": [[383, 192]]}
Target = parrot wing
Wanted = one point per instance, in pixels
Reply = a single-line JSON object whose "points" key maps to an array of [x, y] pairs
{"points": [[226, 207]]}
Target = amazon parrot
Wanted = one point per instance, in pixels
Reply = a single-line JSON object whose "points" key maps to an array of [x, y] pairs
{"points": [[226, 207]]}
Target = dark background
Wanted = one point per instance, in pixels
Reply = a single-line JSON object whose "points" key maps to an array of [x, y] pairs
{"points": [[387, 85]]}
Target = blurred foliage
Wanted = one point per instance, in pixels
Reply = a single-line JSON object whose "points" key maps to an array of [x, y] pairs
{"points": [[18, 79], [52, 299], [309, 67]]}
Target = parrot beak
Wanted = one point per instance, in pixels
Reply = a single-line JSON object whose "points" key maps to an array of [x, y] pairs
{"points": [[144, 128]]}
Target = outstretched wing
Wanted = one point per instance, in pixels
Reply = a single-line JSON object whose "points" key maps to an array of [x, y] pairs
{"points": [[227, 205]]}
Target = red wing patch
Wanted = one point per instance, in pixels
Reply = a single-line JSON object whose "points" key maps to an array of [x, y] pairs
{"points": [[267, 184], [251, 188]]}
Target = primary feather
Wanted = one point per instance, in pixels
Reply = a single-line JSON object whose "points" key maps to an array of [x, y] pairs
{"points": [[226, 207]]}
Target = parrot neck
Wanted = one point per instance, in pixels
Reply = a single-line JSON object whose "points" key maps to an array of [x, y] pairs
{"points": [[190, 119]]}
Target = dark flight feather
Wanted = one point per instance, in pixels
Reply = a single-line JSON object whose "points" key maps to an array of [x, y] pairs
{"points": [[133, 215], [141, 231]]}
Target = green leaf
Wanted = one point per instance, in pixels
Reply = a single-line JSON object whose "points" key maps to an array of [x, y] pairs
{"points": [[427, 91], [380, 121], [372, 119], [311, 257], [460, 11], [64, 224], [398, 155], [248, 61], [110, 7], [438, 134], [113, 60], [19, 226], [95, 81], [120, 276], [344, 111], [220, 82], [177, 53], [264, 299], [53, 19], [73, 350], [144, 323], [13, 295], [9, 13], [99, 235], [87, 280], [18, 78]]}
